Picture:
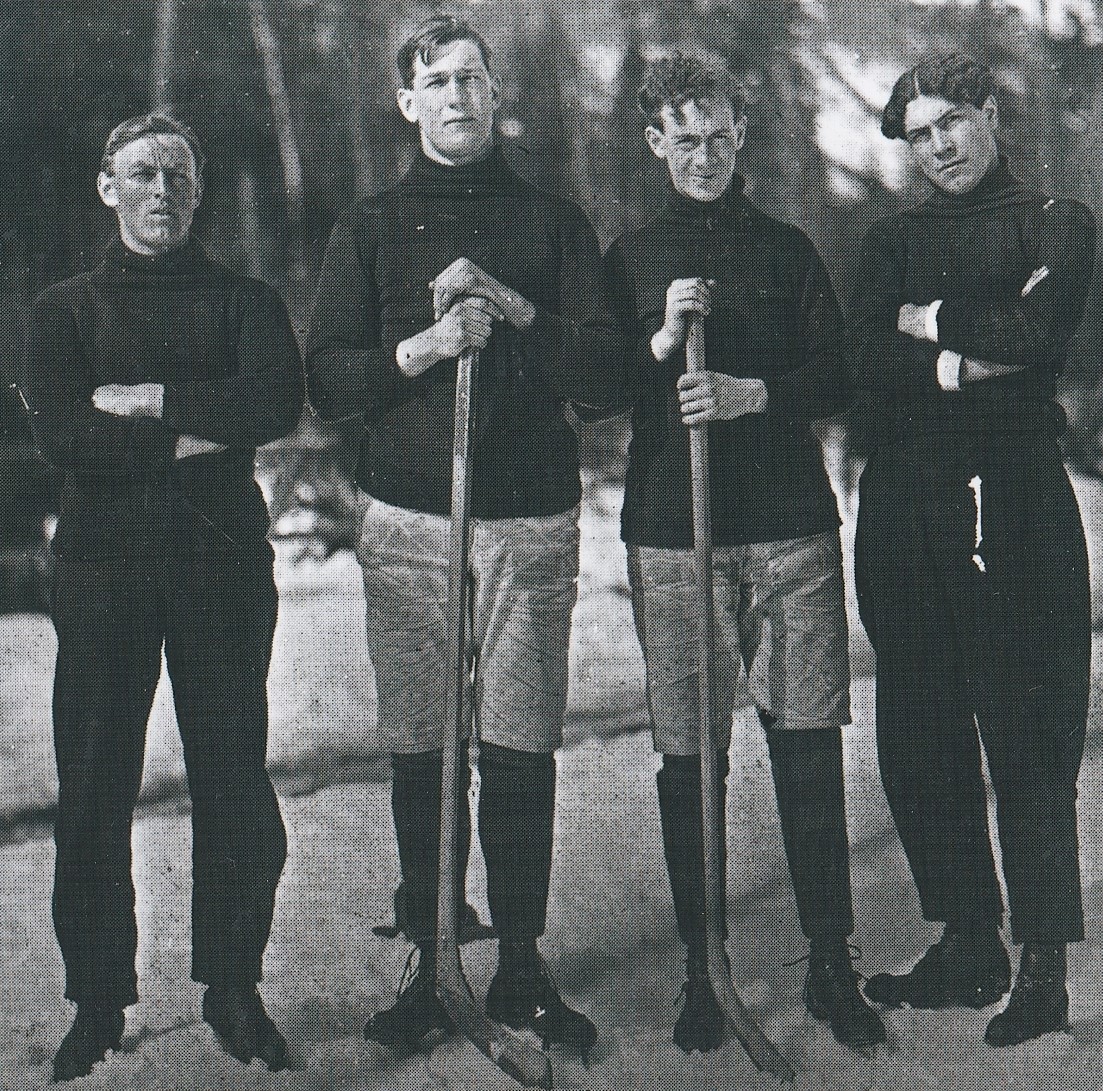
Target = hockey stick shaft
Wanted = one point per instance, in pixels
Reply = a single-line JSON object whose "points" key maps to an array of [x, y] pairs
{"points": [[759, 1048], [511, 1052]]}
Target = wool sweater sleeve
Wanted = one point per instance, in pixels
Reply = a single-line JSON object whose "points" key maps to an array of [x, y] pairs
{"points": [[1032, 327], [883, 361], [819, 387], [70, 431], [261, 400], [348, 370], [633, 330], [579, 349]]}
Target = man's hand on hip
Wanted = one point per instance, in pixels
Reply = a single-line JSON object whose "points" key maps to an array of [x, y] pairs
{"points": [[130, 399], [710, 395]]}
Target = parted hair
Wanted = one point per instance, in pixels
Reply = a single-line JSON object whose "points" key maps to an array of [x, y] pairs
{"points": [[953, 76], [675, 80], [155, 124], [432, 35]]}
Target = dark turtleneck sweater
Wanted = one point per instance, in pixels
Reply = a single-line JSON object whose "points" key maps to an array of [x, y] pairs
{"points": [[373, 293], [225, 351], [774, 317], [977, 252]]}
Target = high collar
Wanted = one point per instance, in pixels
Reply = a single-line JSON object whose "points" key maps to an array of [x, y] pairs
{"points": [[686, 208], [997, 189], [180, 259], [481, 177]]}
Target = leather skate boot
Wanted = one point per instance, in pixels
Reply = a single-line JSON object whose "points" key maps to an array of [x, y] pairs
{"points": [[95, 1030], [417, 1021], [966, 968], [522, 994], [236, 1015], [700, 1024], [831, 993], [1039, 1001]]}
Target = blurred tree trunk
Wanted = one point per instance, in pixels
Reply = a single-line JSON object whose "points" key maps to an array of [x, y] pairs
{"points": [[268, 50], [164, 48]]}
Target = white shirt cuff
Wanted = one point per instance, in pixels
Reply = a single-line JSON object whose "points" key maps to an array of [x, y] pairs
{"points": [[930, 321], [949, 370]]}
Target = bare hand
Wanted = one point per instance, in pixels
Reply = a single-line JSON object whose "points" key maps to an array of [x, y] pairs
{"points": [[464, 278], [130, 399], [467, 324], [687, 298], [710, 395], [187, 446], [912, 320]]}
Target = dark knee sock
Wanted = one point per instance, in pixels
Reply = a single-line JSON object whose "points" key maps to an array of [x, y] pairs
{"points": [[679, 785], [516, 822], [415, 801], [808, 777]]}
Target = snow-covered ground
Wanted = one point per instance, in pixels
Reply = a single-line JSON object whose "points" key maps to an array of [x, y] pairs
{"points": [[611, 939]]}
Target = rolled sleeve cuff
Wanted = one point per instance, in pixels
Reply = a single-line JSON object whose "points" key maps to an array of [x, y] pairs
{"points": [[930, 321], [948, 369]]}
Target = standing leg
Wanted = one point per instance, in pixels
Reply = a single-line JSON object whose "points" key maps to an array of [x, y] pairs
{"points": [[1036, 631], [662, 598], [800, 679], [913, 564], [525, 572], [218, 645], [403, 556], [108, 622]]}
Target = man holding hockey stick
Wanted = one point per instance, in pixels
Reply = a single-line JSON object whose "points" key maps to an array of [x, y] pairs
{"points": [[970, 557], [772, 337], [462, 255]]}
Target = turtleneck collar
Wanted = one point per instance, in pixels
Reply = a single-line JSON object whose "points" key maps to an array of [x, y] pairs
{"points": [[490, 174], [179, 259], [683, 207], [996, 189]]}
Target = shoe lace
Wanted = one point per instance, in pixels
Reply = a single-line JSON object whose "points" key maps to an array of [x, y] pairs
{"points": [[410, 972], [854, 952]]}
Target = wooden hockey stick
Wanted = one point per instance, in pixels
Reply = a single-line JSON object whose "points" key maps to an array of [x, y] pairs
{"points": [[511, 1051], [759, 1048]]}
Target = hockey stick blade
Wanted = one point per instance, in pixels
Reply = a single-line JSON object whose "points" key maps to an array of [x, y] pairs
{"points": [[762, 1052], [519, 1058]]}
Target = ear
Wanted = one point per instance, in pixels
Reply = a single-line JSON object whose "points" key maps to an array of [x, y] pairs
{"points": [[107, 189], [656, 141], [496, 91], [991, 112], [407, 104], [740, 132]]}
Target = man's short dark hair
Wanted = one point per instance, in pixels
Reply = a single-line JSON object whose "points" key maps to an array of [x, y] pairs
{"points": [[432, 36], [953, 76], [156, 124], [675, 80]]}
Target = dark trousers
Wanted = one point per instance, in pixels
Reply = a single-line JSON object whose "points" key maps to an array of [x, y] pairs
{"points": [[995, 637], [214, 611]]}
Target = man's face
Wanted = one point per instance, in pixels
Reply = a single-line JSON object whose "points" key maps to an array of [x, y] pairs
{"points": [[452, 101], [699, 142], [154, 191], [954, 144]]}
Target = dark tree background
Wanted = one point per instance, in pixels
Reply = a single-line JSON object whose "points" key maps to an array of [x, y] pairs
{"points": [[295, 101]]}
